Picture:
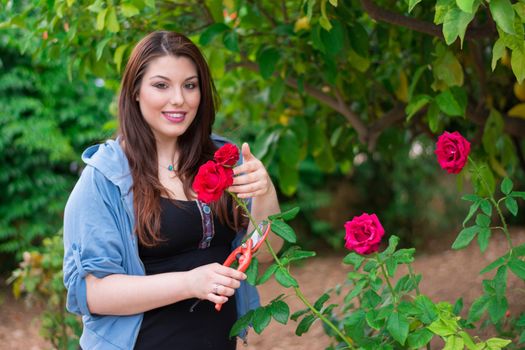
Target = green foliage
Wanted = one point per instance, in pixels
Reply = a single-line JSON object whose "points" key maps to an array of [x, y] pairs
{"points": [[39, 279], [45, 123]]}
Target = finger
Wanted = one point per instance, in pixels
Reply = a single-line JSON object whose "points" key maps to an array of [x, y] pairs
{"points": [[228, 282], [246, 188], [248, 167], [229, 272], [217, 299], [246, 153], [225, 291]]}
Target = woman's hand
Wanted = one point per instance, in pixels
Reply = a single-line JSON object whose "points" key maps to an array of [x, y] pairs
{"points": [[251, 178], [214, 282]]}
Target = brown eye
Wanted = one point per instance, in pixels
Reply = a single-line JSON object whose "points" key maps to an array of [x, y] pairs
{"points": [[161, 86]]}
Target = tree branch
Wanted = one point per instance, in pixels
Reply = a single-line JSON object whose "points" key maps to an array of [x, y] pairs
{"points": [[336, 104], [381, 15]]}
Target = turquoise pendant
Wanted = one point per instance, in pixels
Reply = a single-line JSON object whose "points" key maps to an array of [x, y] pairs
{"points": [[170, 168]]}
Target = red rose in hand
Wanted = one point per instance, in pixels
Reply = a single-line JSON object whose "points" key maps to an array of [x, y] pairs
{"points": [[227, 155], [452, 151], [363, 234], [211, 181]]}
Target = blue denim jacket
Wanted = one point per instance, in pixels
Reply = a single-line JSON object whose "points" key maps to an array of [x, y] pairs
{"points": [[99, 240]]}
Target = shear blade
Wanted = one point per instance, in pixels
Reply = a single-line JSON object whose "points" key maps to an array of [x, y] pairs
{"points": [[256, 237]]}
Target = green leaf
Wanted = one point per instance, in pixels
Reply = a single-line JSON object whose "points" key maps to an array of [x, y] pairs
{"points": [[419, 338], [506, 186], [267, 61], [477, 309], [397, 326], [320, 301], [518, 267], [503, 14], [519, 194], [452, 102], [285, 279], [280, 311], [454, 343], [305, 325], [231, 41], [211, 32], [497, 307], [373, 321], [496, 263], [268, 273], [511, 205], [277, 91], [428, 311], [472, 210], [112, 21], [482, 220], [442, 328], [416, 104], [498, 343], [287, 215], [261, 318], [119, 54], [412, 4], [289, 148], [497, 52], [458, 306], [241, 323], [517, 61], [100, 47], [129, 10], [465, 237], [466, 5], [288, 177], [101, 19], [252, 272], [333, 39], [455, 24], [469, 343], [284, 231], [486, 207], [295, 316], [483, 238], [297, 254], [393, 241]]}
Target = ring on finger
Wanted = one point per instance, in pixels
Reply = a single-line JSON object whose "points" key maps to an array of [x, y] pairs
{"points": [[215, 288]]}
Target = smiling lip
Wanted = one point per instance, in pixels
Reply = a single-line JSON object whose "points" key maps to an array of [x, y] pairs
{"points": [[174, 117]]}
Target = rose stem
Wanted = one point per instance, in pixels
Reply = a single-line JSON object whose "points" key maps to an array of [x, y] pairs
{"points": [[297, 290]]}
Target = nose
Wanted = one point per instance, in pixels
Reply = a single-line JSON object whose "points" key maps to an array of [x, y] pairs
{"points": [[177, 98]]}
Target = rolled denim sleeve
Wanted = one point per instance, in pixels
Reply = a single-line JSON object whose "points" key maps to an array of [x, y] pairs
{"points": [[92, 238]]}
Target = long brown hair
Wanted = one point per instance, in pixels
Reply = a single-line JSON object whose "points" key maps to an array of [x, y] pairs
{"points": [[195, 145]]}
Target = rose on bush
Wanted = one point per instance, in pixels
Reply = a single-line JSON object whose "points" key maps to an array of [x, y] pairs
{"points": [[211, 181], [452, 151], [364, 234], [227, 155]]}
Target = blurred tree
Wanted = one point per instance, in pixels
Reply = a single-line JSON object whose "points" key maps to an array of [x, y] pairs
{"points": [[45, 122], [318, 78]]}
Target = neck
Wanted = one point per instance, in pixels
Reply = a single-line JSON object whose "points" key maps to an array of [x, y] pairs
{"points": [[167, 153]]}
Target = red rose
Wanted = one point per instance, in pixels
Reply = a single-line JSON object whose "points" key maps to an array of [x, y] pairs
{"points": [[363, 234], [211, 181], [452, 151], [227, 155]]}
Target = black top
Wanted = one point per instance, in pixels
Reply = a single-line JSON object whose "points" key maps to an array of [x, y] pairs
{"points": [[174, 327]]}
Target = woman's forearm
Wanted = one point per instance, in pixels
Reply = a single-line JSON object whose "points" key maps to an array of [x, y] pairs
{"points": [[262, 207], [128, 295]]}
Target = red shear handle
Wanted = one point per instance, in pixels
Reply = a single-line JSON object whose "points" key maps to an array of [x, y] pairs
{"points": [[245, 258]]}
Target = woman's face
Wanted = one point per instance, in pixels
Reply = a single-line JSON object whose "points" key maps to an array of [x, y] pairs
{"points": [[169, 96]]}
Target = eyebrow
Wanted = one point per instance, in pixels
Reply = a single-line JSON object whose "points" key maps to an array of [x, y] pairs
{"points": [[166, 78]]}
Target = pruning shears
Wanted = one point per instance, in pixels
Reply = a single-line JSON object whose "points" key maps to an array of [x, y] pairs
{"points": [[243, 253]]}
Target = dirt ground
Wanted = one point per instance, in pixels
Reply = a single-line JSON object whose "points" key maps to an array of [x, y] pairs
{"points": [[447, 275]]}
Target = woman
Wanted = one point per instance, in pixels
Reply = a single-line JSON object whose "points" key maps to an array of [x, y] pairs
{"points": [[136, 254]]}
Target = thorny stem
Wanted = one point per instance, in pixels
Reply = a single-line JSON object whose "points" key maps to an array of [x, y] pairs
{"points": [[297, 290], [496, 204]]}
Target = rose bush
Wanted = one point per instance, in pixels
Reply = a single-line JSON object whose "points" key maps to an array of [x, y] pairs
{"points": [[379, 314]]}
